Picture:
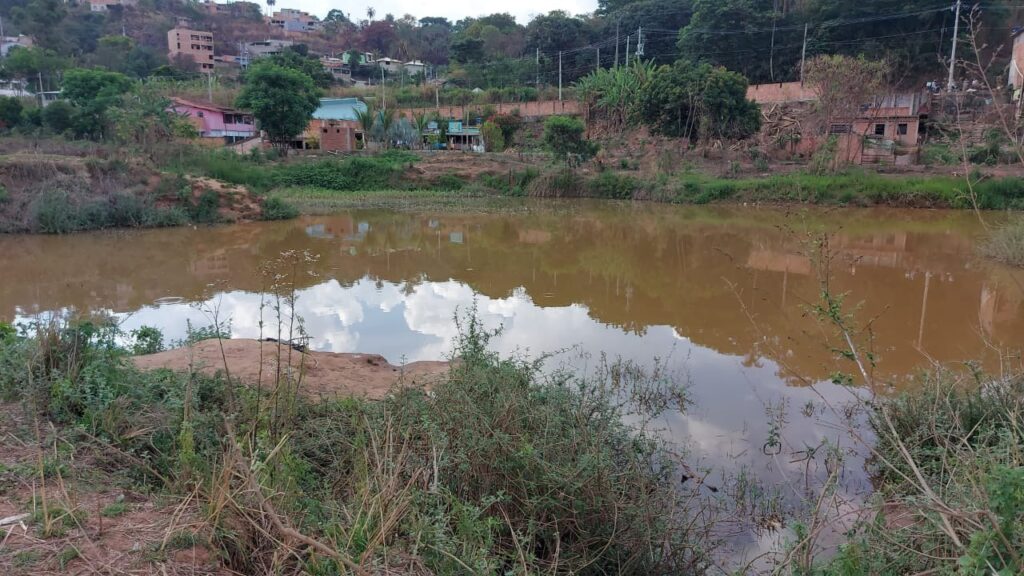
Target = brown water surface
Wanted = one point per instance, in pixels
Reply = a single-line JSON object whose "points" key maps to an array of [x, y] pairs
{"points": [[722, 295]]}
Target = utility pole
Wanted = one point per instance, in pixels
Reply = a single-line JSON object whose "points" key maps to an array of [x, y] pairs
{"points": [[537, 67], [559, 75], [597, 61], [209, 86], [952, 56], [616, 43], [627, 51], [803, 56], [383, 90], [639, 42]]}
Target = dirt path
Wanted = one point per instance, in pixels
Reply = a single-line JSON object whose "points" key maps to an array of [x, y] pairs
{"points": [[323, 373]]}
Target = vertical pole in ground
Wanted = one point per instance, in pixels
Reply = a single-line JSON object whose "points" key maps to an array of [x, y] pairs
{"points": [[559, 75], [597, 60], [952, 55], [616, 43], [803, 56], [537, 66], [627, 51]]}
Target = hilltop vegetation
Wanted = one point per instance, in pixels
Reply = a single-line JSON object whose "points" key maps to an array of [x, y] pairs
{"points": [[496, 51]]}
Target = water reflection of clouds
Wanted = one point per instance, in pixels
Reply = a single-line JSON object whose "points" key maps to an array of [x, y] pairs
{"points": [[724, 429]]}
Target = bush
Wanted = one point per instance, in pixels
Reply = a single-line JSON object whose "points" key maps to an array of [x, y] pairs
{"points": [[58, 116], [1006, 244], [564, 183], [494, 139], [964, 438], [563, 137], [378, 172], [495, 462], [277, 209], [611, 185]]}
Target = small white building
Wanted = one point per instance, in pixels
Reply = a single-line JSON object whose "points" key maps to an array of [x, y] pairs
{"points": [[104, 5], [415, 67], [391, 65], [8, 43], [1016, 80]]}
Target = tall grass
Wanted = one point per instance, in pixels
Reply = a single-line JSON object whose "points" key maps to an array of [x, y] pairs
{"points": [[1006, 244], [497, 470], [950, 482]]}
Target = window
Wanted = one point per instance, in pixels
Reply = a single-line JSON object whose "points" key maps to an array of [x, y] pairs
{"points": [[839, 129], [324, 130], [199, 114], [879, 129], [901, 129]]}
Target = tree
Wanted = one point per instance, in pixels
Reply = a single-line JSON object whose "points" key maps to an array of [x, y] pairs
{"points": [[94, 88], [93, 92], [509, 125], [555, 31], [10, 112], [843, 85], [33, 63], [659, 47], [367, 119], [563, 137], [731, 33], [282, 99], [698, 101], [58, 117], [294, 59], [494, 141], [467, 50], [337, 16]]}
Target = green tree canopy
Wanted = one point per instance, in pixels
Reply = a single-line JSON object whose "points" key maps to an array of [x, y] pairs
{"points": [[94, 92], [30, 63], [564, 136], [295, 59], [10, 112], [94, 88], [698, 101], [282, 99]]}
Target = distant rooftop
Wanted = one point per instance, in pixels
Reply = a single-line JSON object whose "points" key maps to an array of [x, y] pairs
{"points": [[339, 109]]}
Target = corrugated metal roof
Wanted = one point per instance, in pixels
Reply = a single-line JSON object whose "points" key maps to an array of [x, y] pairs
{"points": [[339, 109]]}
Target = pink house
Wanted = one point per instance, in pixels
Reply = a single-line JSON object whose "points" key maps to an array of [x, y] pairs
{"points": [[212, 121]]}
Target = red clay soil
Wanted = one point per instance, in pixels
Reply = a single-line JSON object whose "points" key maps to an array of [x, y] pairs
{"points": [[111, 529], [324, 374]]}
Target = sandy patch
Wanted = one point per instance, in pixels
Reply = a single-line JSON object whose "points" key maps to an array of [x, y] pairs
{"points": [[323, 373]]}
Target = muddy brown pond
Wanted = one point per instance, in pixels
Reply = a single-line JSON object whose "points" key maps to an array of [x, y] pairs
{"points": [[722, 296]]}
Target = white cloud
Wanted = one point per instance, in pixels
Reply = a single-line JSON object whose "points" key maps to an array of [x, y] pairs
{"points": [[454, 10]]}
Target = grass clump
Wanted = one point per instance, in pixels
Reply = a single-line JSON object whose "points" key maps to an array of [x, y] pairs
{"points": [[275, 208], [380, 172], [950, 477], [1006, 244], [55, 212], [497, 470], [114, 509]]}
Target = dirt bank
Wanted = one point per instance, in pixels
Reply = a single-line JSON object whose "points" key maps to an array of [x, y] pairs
{"points": [[325, 374], [60, 193]]}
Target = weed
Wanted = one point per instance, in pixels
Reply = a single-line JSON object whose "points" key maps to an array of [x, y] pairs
{"points": [[148, 340], [275, 208], [66, 556], [1006, 244], [114, 509]]}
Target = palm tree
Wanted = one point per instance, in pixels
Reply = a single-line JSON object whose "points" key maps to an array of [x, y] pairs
{"points": [[386, 119], [419, 122], [370, 13], [367, 118]]}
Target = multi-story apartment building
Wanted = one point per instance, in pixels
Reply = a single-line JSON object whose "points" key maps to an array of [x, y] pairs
{"points": [[194, 44]]}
